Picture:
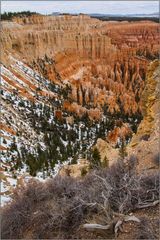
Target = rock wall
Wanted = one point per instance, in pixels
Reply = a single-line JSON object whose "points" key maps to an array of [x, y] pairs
{"points": [[37, 36], [145, 143]]}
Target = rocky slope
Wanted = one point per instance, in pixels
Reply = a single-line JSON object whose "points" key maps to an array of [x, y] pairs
{"points": [[67, 81], [145, 143]]}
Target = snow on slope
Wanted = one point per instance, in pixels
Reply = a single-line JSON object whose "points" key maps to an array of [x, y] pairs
{"points": [[19, 86], [33, 141]]}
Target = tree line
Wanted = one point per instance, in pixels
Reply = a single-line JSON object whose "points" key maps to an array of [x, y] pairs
{"points": [[10, 15]]}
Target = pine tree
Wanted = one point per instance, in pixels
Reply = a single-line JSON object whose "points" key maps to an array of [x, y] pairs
{"points": [[83, 171], [96, 158], [122, 150], [105, 162], [13, 146], [4, 141]]}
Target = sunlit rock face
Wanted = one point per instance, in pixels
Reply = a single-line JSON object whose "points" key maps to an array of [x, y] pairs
{"points": [[67, 81], [145, 143], [105, 62]]}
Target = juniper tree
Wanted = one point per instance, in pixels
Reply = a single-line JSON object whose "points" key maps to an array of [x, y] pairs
{"points": [[96, 158]]}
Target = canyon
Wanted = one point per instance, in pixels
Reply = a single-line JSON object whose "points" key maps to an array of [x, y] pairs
{"points": [[70, 83]]}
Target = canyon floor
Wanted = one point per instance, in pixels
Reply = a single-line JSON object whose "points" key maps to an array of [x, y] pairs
{"points": [[77, 95]]}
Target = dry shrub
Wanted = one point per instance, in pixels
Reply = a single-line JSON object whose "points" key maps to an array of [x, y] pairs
{"points": [[145, 230], [57, 208]]}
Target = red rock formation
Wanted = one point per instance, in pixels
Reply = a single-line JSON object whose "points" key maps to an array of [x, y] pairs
{"points": [[104, 62], [119, 133], [58, 114]]}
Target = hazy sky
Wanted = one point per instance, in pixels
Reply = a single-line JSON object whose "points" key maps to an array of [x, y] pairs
{"points": [[108, 7]]}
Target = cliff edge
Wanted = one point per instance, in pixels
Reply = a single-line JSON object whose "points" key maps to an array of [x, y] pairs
{"points": [[145, 143]]}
